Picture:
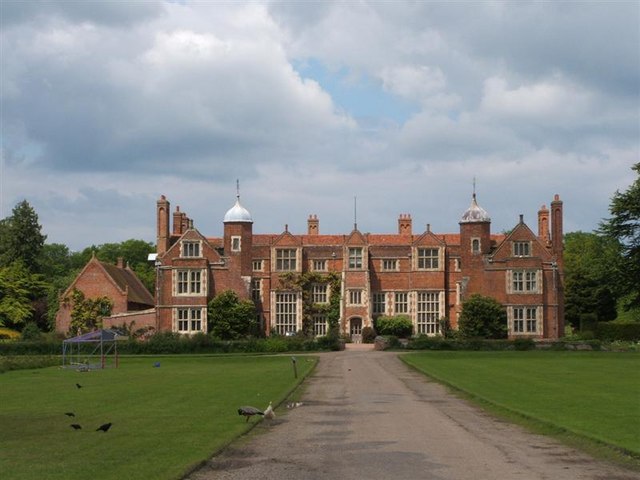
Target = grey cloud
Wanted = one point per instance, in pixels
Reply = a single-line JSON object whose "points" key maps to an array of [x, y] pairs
{"points": [[105, 12]]}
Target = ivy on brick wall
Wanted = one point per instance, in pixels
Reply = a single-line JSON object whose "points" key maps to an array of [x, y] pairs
{"points": [[303, 283]]}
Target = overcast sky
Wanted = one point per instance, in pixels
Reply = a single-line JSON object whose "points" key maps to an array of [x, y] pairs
{"points": [[108, 105]]}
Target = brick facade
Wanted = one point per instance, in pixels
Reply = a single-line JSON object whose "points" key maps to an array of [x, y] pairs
{"points": [[426, 276], [117, 282]]}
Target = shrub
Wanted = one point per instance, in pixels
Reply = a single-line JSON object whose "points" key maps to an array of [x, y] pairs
{"points": [[397, 326], [482, 317], [524, 344], [617, 331], [368, 335], [588, 322], [30, 332], [8, 334]]}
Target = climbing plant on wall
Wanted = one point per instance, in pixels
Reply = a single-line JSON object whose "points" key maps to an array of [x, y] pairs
{"points": [[303, 283]]}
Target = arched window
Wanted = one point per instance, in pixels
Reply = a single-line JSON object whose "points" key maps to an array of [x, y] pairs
{"points": [[475, 246]]}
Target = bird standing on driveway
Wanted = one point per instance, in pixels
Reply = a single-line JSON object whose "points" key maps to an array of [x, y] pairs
{"points": [[269, 413], [247, 411]]}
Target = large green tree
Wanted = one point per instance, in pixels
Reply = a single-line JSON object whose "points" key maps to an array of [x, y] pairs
{"points": [[592, 269], [482, 317], [231, 318], [18, 290], [21, 237], [624, 226]]}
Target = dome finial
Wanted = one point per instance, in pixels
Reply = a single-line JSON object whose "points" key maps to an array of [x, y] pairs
{"points": [[238, 213], [475, 213]]}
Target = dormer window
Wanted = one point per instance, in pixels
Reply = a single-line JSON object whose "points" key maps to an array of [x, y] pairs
{"points": [[521, 249], [286, 259], [428, 258], [355, 258], [190, 249]]}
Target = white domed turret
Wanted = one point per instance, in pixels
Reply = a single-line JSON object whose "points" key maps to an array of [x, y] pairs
{"points": [[475, 213], [238, 213]]}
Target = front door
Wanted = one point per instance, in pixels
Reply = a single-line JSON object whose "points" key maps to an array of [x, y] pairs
{"points": [[355, 329]]}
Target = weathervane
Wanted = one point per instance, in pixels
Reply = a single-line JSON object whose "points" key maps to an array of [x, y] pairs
{"points": [[355, 212]]}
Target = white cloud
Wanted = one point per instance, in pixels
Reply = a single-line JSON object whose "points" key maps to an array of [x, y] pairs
{"points": [[107, 106], [550, 100], [414, 82]]}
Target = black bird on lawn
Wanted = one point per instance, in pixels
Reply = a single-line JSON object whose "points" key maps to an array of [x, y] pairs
{"points": [[249, 412], [75, 426], [104, 427], [78, 385], [70, 414]]}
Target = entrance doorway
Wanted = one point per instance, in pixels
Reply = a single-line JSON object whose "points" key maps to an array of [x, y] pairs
{"points": [[355, 329]]}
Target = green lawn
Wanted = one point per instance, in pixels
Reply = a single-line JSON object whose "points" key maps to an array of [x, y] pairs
{"points": [[165, 419], [592, 394]]}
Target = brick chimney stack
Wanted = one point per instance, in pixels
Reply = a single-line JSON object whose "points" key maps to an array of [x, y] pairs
{"points": [[162, 220], [404, 224], [557, 240], [313, 225], [543, 225]]}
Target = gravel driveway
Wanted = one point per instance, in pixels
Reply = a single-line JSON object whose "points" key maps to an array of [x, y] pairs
{"points": [[365, 415]]}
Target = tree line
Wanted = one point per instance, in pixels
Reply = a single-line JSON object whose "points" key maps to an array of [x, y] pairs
{"points": [[602, 268]]}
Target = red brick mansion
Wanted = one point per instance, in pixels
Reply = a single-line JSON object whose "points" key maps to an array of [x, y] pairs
{"points": [[424, 275]]}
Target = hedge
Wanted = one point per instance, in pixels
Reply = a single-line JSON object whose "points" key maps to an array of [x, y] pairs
{"points": [[424, 342], [173, 343], [608, 331]]}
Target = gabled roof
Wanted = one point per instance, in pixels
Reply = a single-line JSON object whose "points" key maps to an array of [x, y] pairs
{"points": [[355, 238], [209, 244], [429, 238], [521, 231], [286, 238], [124, 279]]}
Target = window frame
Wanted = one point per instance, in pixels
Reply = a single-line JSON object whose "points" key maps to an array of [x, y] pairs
{"points": [[191, 249], [191, 318], [401, 303], [428, 261], [286, 313], [319, 265], [288, 263], [355, 256], [320, 293], [428, 312], [389, 264], [236, 243], [354, 297], [521, 248], [378, 299], [189, 282]]}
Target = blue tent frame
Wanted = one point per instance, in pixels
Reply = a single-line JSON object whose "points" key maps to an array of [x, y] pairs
{"points": [[104, 343]]}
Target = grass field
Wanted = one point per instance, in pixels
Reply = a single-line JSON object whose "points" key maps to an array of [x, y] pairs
{"points": [[165, 420], [594, 395]]}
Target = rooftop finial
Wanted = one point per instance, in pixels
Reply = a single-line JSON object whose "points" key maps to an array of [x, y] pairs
{"points": [[238, 189], [474, 187], [355, 212]]}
